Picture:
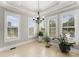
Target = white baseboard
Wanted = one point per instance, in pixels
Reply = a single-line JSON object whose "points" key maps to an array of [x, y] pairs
{"points": [[16, 45]]}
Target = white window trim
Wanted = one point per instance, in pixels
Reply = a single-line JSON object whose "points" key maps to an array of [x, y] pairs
{"points": [[43, 23], [31, 36], [67, 13], [50, 18], [7, 39]]}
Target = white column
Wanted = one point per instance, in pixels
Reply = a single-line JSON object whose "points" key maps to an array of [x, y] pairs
{"points": [[77, 26]]}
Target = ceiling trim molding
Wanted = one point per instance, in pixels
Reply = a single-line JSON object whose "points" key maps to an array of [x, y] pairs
{"points": [[18, 10], [61, 9], [53, 9]]}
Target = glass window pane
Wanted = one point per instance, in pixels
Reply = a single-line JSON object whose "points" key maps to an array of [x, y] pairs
{"points": [[12, 29], [68, 20], [12, 32], [52, 32], [31, 26], [71, 21], [52, 27], [68, 24], [31, 23], [65, 31], [12, 21], [43, 25], [31, 31], [52, 23], [71, 31]]}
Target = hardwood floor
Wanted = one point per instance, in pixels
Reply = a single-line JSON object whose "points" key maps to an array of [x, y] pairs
{"points": [[36, 49]]}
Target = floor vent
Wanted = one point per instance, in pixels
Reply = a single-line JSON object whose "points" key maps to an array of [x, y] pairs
{"points": [[12, 48]]}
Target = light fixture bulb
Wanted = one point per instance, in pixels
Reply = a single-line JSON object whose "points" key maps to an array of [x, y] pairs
{"points": [[33, 17], [37, 16], [40, 19], [43, 16]]}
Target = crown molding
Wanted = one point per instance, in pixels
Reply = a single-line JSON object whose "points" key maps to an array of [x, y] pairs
{"points": [[54, 9], [6, 6], [60, 8]]}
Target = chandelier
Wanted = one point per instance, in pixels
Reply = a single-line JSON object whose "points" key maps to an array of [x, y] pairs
{"points": [[38, 19]]}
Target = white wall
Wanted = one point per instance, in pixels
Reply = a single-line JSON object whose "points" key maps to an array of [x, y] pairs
{"points": [[23, 29], [77, 26], [1, 27]]}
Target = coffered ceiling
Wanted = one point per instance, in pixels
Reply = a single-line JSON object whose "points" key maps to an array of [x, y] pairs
{"points": [[32, 6]]}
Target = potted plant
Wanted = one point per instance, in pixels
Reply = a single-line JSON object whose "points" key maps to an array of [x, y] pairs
{"points": [[64, 45], [40, 35]]}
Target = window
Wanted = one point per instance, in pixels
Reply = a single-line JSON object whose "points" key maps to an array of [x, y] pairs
{"points": [[11, 26], [52, 27], [43, 26], [31, 27], [68, 25]]}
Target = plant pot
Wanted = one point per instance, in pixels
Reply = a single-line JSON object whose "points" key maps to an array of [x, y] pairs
{"points": [[40, 39], [64, 48]]}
